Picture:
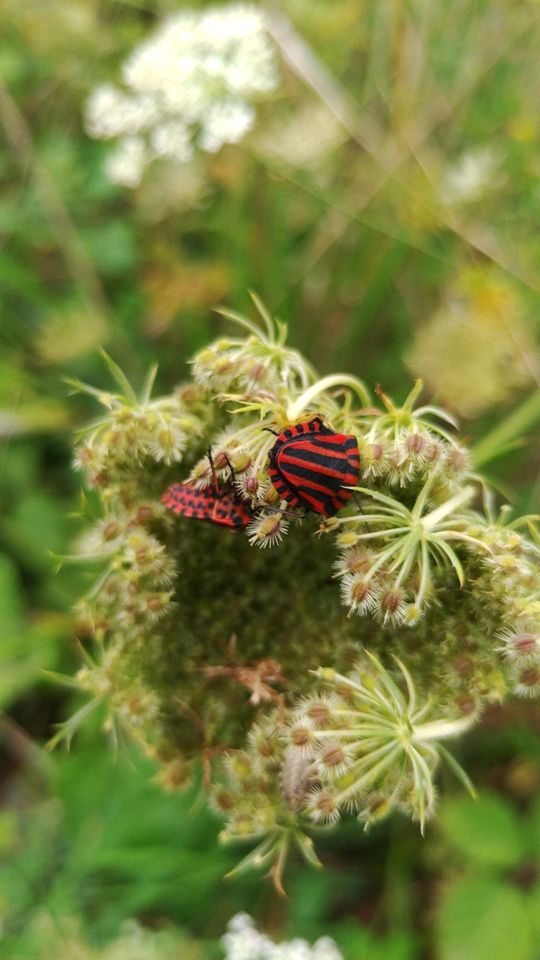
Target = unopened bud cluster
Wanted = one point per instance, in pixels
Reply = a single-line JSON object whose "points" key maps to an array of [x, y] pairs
{"points": [[300, 708]]}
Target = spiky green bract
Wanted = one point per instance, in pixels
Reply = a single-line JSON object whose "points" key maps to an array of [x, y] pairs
{"points": [[372, 744], [205, 646]]}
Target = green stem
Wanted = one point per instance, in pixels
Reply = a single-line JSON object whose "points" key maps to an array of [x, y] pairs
{"points": [[512, 429]]}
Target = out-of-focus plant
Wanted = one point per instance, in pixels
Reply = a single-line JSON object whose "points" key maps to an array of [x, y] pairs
{"points": [[477, 349], [491, 906], [189, 85], [47, 937], [82, 855], [179, 625], [103, 848]]}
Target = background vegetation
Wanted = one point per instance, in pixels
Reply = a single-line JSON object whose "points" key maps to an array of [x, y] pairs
{"points": [[386, 206]]}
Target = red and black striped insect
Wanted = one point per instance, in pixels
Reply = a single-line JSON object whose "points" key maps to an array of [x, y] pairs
{"points": [[310, 465], [221, 506]]}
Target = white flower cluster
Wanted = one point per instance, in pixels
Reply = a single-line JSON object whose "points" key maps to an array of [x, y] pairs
{"points": [[190, 84], [243, 942]]}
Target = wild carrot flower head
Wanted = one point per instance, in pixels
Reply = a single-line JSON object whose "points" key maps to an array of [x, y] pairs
{"points": [[232, 650]]}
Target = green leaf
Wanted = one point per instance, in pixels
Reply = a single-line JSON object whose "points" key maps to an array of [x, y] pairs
{"points": [[358, 942], [486, 830], [483, 919]]}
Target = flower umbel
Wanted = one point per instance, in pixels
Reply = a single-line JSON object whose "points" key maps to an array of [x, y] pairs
{"points": [[411, 541], [211, 651], [377, 742], [192, 84]]}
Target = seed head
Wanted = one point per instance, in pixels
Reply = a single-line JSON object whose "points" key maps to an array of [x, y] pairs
{"points": [[519, 646], [267, 530], [527, 681]]}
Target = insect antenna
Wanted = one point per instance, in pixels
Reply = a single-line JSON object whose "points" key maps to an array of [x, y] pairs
{"points": [[213, 470], [231, 468]]}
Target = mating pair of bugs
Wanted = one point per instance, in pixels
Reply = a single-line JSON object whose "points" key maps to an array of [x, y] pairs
{"points": [[310, 467]]}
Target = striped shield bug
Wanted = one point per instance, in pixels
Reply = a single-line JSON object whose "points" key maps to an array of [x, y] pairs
{"points": [[218, 505], [310, 465]]}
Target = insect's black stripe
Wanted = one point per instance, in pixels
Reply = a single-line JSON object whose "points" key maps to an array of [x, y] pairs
{"points": [[310, 490], [323, 474], [307, 426], [340, 470], [317, 503], [276, 479], [285, 492], [313, 500], [333, 443], [291, 497], [317, 425], [316, 457], [306, 478], [325, 446], [309, 499]]}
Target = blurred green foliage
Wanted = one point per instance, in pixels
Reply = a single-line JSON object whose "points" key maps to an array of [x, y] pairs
{"points": [[492, 906], [359, 249]]}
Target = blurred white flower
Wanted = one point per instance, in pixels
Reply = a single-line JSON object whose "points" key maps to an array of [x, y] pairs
{"points": [[226, 123], [125, 165], [243, 942], [304, 139], [472, 175], [190, 84], [171, 139], [112, 113]]}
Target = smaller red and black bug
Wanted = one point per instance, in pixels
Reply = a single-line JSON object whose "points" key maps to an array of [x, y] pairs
{"points": [[219, 506], [310, 465]]}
